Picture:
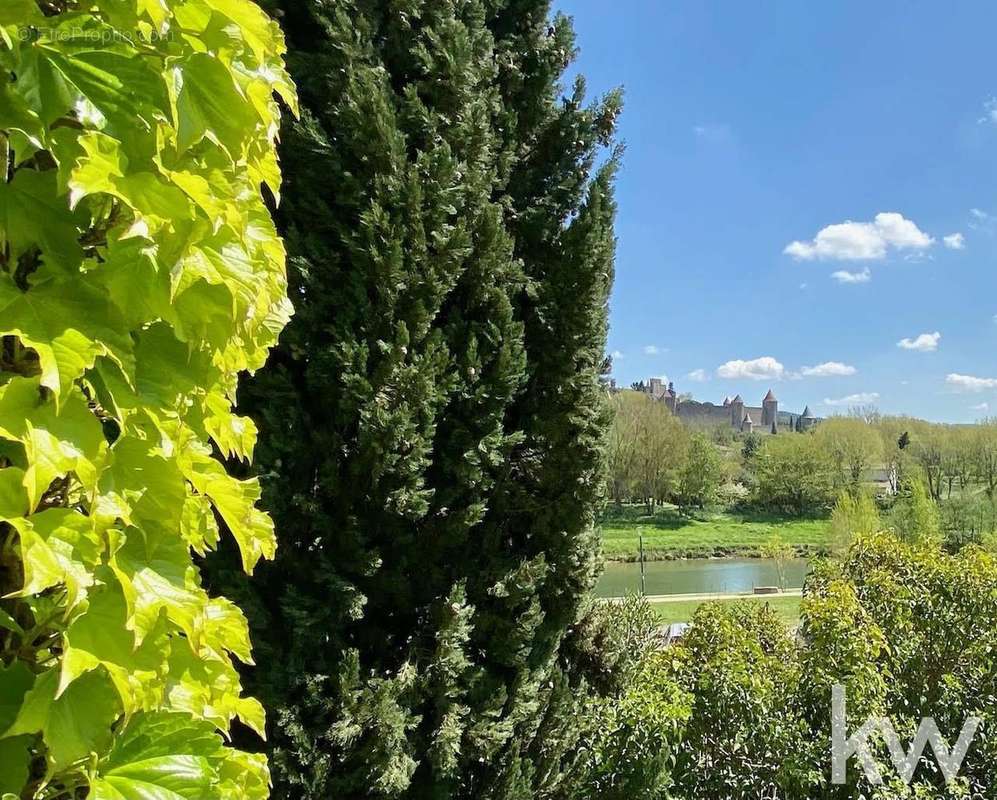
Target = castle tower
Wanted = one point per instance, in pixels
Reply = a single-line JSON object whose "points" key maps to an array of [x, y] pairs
{"points": [[671, 398], [736, 412], [747, 426], [770, 410], [807, 420]]}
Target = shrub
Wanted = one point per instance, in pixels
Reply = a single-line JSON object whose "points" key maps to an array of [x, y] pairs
{"points": [[629, 728], [745, 734], [732, 496], [794, 475], [915, 516], [855, 514], [907, 629], [700, 474]]}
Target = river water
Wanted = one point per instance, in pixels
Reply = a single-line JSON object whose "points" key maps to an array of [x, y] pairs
{"points": [[698, 576]]}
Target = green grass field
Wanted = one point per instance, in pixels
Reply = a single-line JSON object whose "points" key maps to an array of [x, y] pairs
{"points": [[788, 609], [671, 534]]}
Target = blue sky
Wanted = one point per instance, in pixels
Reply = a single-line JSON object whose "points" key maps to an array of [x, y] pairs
{"points": [[750, 127]]}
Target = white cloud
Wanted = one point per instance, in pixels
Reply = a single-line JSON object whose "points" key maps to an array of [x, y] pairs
{"points": [[955, 241], [829, 369], [980, 220], [981, 407], [698, 376], [757, 369], [862, 241], [844, 276], [925, 343], [617, 355], [989, 112], [862, 398], [969, 383], [651, 350]]}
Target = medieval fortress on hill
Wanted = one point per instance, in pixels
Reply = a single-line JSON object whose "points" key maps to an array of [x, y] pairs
{"points": [[766, 418]]}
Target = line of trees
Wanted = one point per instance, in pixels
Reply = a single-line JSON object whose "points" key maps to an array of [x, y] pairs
{"points": [[654, 458]]}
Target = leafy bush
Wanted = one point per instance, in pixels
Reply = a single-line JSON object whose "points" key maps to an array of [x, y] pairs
{"points": [[732, 496], [855, 514], [634, 710], [745, 735], [915, 515], [907, 629], [914, 630], [794, 474], [967, 519], [701, 473], [139, 274]]}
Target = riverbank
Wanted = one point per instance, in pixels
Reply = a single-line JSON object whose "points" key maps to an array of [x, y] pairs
{"points": [[705, 578], [671, 534], [785, 606]]}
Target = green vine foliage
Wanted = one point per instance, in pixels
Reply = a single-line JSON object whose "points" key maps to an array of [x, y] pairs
{"points": [[140, 273]]}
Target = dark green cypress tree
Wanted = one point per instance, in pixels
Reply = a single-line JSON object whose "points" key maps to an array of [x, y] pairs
{"points": [[433, 418]]}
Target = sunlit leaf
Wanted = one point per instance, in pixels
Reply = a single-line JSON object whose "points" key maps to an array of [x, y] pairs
{"points": [[140, 273]]}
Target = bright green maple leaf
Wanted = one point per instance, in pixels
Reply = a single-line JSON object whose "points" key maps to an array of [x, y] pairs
{"points": [[59, 546], [15, 762], [100, 638], [234, 435], [162, 756], [13, 496], [15, 681], [149, 482], [198, 524], [135, 282], [145, 273], [23, 126], [245, 776], [19, 12], [103, 169], [208, 687], [157, 575], [169, 372], [119, 85], [74, 724], [209, 104], [33, 215], [57, 441], [236, 501], [69, 324]]}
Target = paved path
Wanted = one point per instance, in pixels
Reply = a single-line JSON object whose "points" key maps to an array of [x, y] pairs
{"points": [[703, 598]]}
